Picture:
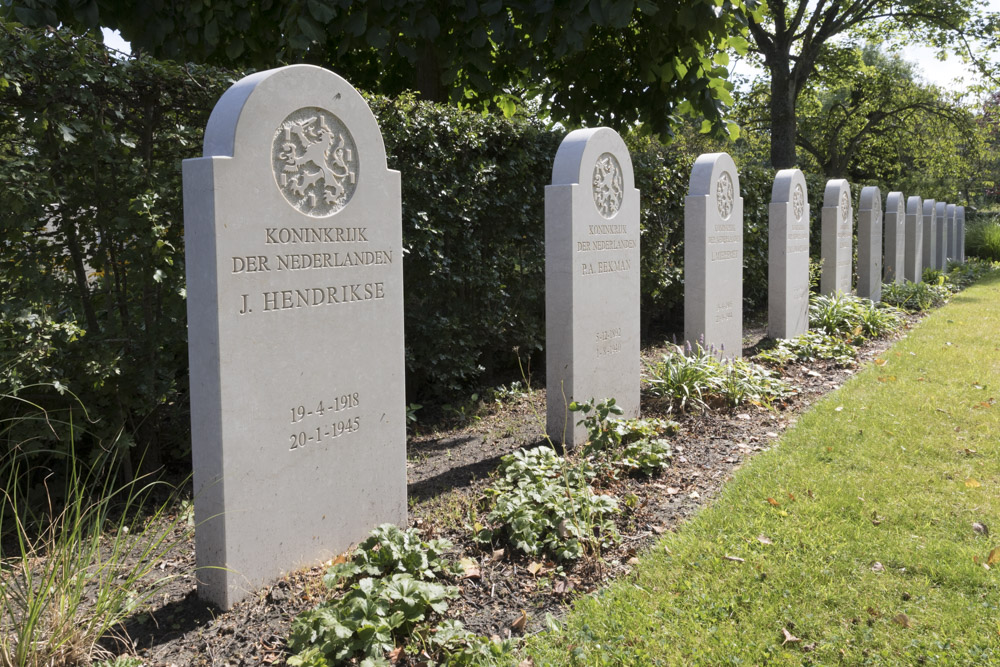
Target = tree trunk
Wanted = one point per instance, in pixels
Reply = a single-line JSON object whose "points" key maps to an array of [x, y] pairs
{"points": [[429, 75], [783, 122]]}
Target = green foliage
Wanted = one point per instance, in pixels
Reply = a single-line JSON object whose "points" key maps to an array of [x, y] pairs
{"points": [[81, 558], [91, 252], [647, 62], [982, 238], [632, 445], [389, 550], [542, 504], [810, 346], [696, 377], [368, 621], [852, 317], [915, 296], [455, 646]]}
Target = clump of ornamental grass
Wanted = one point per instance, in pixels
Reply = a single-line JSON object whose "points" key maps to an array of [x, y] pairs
{"points": [[77, 564], [853, 318]]}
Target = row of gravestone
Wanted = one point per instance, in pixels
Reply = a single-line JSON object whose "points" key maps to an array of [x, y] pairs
{"points": [[293, 234]]}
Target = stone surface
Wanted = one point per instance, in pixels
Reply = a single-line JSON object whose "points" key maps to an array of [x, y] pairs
{"points": [[913, 266], [960, 222], [870, 244], [952, 254], [591, 280], [713, 256], [788, 256], [929, 257], [894, 230], [837, 237], [941, 234], [295, 325]]}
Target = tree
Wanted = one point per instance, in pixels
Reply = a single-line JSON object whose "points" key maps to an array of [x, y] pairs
{"points": [[792, 35], [615, 62]]}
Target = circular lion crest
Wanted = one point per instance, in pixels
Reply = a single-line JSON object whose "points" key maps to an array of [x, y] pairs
{"points": [[845, 205], [798, 202], [609, 188], [725, 195], [315, 162]]}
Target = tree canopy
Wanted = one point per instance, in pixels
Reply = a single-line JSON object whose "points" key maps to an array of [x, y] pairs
{"points": [[612, 62]]}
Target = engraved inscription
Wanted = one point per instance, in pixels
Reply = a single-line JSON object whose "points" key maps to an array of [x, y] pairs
{"points": [[608, 342], [610, 266], [725, 195], [323, 411], [609, 188], [798, 202], [723, 311], [315, 162], [845, 205]]}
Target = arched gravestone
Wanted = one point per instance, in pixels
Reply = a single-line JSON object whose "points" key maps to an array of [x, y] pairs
{"points": [[895, 237], [788, 256], [960, 221], [295, 326], [952, 253], [941, 235], [837, 237], [870, 244], [591, 280], [913, 269], [713, 256], [929, 258]]}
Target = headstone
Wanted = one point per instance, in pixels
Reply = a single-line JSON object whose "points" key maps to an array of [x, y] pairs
{"points": [[870, 244], [837, 238], [895, 237], [941, 235], [591, 280], [929, 257], [713, 256], [913, 267], [293, 240], [788, 256], [952, 233], [960, 222]]}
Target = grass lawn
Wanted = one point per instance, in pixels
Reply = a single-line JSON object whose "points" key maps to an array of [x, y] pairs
{"points": [[854, 536]]}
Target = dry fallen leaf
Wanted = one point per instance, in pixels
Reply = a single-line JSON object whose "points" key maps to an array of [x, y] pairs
{"points": [[497, 554], [658, 529], [672, 491], [880, 362], [396, 654], [772, 501], [972, 484], [534, 567], [980, 528], [994, 557], [791, 497], [763, 539], [789, 637], [470, 569], [735, 559], [527, 662], [561, 586], [902, 619], [519, 624], [877, 567]]}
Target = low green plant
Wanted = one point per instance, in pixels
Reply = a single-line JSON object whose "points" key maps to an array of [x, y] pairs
{"points": [[915, 297], [630, 445], [699, 377], [602, 428], [542, 504], [388, 550], [851, 317], [810, 346], [395, 586], [79, 562], [646, 456]]}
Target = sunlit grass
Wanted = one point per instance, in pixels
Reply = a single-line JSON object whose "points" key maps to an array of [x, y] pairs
{"points": [[856, 534]]}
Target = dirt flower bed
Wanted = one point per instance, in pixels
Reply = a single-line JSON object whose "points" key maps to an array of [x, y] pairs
{"points": [[505, 594]]}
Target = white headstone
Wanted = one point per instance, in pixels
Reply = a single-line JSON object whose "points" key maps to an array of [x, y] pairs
{"points": [[870, 244], [591, 280], [914, 267], [960, 222], [837, 238], [788, 256], [941, 234], [295, 325], [952, 234], [895, 237], [929, 258], [713, 256]]}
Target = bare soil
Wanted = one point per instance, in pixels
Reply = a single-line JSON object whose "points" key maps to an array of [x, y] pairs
{"points": [[447, 470]]}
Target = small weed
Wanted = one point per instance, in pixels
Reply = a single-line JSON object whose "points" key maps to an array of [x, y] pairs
{"points": [[915, 296], [851, 317], [810, 346]]}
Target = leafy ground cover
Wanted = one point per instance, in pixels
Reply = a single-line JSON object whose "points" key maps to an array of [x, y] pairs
{"points": [[864, 538]]}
